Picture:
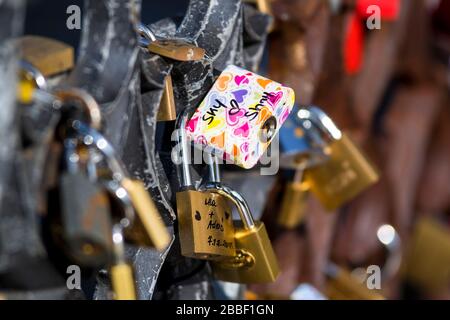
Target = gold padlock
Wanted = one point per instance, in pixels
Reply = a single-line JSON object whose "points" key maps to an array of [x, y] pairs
{"points": [[154, 232], [205, 222], [121, 273], [255, 260], [346, 173], [167, 110], [341, 285], [147, 229], [175, 49], [293, 204], [50, 57], [427, 263]]}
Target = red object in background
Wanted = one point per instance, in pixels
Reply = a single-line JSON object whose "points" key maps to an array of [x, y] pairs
{"points": [[354, 45], [390, 9], [354, 39]]}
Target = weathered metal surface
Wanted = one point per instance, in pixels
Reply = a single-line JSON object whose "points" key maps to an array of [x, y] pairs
{"points": [[128, 83], [231, 33]]}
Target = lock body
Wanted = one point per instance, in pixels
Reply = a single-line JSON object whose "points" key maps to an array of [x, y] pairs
{"points": [[205, 225], [427, 263], [255, 261], [49, 56], [148, 229], [346, 173], [122, 281], [167, 110], [343, 286], [176, 49], [86, 219], [293, 205]]}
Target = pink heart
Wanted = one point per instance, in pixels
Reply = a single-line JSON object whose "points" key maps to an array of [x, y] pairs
{"points": [[274, 98], [192, 124], [233, 117], [284, 116], [244, 147], [240, 79], [243, 130], [201, 140]]}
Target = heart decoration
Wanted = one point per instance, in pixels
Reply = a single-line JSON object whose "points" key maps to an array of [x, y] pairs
{"points": [[233, 118], [223, 80], [275, 98], [219, 140], [263, 82], [285, 115], [240, 94], [192, 124], [244, 147], [241, 79], [216, 123], [215, 96], [264, 113], [243, 130], [201, 140], [235, 150]]}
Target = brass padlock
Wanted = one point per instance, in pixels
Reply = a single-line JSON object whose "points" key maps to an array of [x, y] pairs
{"points": [[175, 49], [85, 211], [121, 272], [347, 171], [427, 262], [293, 204], [167, 110], [148, 228], [342, 285], [49, 56], [205, 221], [255, 260]]}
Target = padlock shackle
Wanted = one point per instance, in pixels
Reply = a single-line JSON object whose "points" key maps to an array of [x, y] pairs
{"points": [[118, 244], [320, 120], [183, 168], [104, 146], [88, 103], [236, 198], [116, 166], [214, 169], [34, 73], [146, 33]]}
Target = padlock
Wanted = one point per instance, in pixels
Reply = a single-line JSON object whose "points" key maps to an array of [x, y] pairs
{"points": [[167, 110], [121, 272], [176, 49], [49, 56], [240, 116], [148, 228], [342, 285], [205, 222], [346, 173], [426, 264], [255, 260], [293, 204], [85, 212]]}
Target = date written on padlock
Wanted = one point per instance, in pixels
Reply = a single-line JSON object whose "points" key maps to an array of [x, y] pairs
{"points": [[240, 116], [205, 225]]}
